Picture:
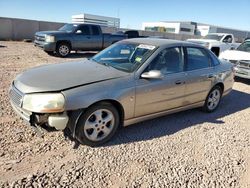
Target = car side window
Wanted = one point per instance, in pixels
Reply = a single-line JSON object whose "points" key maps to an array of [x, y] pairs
{"points": [[168, 61], [95, 30], [228, 39], [197, 58], [215, 61], [84, 30]]}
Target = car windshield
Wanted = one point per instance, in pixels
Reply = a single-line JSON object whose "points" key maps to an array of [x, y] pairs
{"points": [[245, 47], [125, 56], [214, 37], [68, 27]]}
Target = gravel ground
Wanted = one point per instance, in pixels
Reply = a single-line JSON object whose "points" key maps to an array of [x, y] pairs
{"points": [[187, 149]]}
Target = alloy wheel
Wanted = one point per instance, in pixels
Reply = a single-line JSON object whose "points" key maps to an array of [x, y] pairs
{"points": [[99, 125], [64, 50], [213, 99]]}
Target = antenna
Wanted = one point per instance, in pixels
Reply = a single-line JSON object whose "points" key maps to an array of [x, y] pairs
{"points": [[118, 13]]}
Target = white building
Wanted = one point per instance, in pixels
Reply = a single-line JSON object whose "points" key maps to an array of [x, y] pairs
{"points": [[95, 19], [170, 27], [192, 28]]}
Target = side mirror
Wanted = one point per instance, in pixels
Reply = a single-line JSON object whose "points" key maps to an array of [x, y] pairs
{"points": [[153, 74], [78, 31]]}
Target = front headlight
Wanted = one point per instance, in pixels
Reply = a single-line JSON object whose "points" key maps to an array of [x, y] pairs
{"points": [[44, 103], [49, 38]]}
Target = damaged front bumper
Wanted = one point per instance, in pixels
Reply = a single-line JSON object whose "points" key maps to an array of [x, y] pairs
{"points": [[57, 121]]}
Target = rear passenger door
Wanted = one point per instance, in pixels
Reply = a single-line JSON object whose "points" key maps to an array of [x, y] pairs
{"points": [[199, 74], [96, 38]]}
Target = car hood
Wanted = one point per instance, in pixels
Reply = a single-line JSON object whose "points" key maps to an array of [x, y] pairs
{"points": [[235, 55], [201, 41], [43, 33], [63, 76]]}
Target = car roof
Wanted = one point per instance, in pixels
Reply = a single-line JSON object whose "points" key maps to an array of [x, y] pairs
{"points": [[160, 42], [219, 34]]}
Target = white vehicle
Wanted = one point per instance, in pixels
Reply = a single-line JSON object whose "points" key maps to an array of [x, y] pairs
{"points": [[240, 58], [217, 42]]}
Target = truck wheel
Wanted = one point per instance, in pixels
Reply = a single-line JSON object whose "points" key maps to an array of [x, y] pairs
{"points": [[97, 124], [213, 99], [63, 49]]}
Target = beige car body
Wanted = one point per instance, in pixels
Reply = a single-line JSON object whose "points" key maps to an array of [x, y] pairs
{"points": [[136, 98]]}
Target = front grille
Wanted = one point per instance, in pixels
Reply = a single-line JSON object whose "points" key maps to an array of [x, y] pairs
{"points": [[233, 61], [16, 96], [40, 38], [244, 64]]}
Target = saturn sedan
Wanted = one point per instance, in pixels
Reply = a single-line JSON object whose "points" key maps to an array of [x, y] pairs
{"points": [[131, 81]]}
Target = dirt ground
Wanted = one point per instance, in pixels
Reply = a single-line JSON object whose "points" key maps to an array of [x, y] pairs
{"points": [[187, 149]]}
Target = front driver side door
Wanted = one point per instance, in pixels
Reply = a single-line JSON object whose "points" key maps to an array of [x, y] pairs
{"points": [[156, 95], [82, 38]]}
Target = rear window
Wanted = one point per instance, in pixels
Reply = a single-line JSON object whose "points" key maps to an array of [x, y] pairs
{"points": [[84, 29], [215, 60], [95, 30], [197, 58]]}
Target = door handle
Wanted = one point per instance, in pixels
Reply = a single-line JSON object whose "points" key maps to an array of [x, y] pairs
{"points": [[88, 37]]}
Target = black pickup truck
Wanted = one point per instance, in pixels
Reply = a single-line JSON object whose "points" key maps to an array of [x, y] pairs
{"points": [[86, 37]]}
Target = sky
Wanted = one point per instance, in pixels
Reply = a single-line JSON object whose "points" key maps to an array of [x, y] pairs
{"points": [[227, 13]]}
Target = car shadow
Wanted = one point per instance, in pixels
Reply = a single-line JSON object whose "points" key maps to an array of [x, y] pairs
{"points": [[242, 80], [173, 123]]}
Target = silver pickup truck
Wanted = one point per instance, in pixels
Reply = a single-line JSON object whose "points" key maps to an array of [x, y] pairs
{"points": [[85, 37]]}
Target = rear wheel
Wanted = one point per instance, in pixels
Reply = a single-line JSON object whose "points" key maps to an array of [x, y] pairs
{"points": [[63, 49], [213, 99], [97, 125]]}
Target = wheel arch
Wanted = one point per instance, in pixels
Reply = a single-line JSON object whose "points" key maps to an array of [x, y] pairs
{"points": [[63, 41], [115, 103], [221, 85], [75, 115]]}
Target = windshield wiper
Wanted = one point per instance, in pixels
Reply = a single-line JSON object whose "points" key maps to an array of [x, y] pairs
{"points": [[106, 64], [102, 63]]}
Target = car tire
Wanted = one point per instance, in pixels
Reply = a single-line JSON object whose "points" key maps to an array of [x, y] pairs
{"points": [[63, 49], [213, 99], [97, 124], [51, 53]]}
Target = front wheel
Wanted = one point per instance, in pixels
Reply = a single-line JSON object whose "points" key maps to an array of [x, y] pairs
{"points": [[213, 99], [97, 124], [63, 49]]}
